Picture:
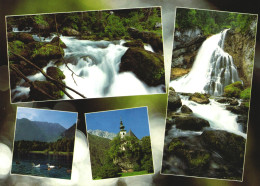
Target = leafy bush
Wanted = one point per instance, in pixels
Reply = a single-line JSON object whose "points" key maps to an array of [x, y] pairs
{"points": [[233, 90], [246, 94]]}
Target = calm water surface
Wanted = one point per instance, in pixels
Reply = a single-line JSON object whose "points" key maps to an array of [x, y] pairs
{"points": [[62, 163]]}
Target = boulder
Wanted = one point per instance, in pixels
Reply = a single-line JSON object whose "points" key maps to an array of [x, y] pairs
{"points": [[199, 98], [230, 101], [174, 101], [46, 86], [229, 145], [148, 37], [57, 40], [19, 48], [147, 66], [242, 119], [192, 123], [135, 43], [55, 73], [70, 32], [47, 52], [25, 37], [233, 90], [186, 109], [241, 109]]}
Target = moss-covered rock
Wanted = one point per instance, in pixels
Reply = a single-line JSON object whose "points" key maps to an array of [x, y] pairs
{"points": [[55, 73], [199, 98], [233, 90], [47, 52], [148, 37], [147, 66], [227, 144], [25, 37], [188, 122], [19, 48], [186, 109], [246, 94], [70, 32], [48, 87], [135, 43], [174, 101], [56, 41]]}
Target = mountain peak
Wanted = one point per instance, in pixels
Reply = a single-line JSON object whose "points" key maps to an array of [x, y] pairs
{"points": [[103, 134]]}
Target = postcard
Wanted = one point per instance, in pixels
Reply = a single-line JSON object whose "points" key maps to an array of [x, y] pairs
{"points": [[209, 94], [119, 143], [44, 143], [80, 55]]}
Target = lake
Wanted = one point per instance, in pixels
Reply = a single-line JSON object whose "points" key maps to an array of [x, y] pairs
{"points": [[62, 163]]}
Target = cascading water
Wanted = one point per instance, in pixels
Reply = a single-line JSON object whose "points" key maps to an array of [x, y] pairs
{"points": [[212, 70], [95, 66]]}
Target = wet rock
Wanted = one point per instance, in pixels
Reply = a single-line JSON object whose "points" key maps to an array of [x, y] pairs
{"points": [[230, 101], [192, 123], [55, 73], [199, 98], [186, 109], [242, 119], [46, 86], [174, 101], [18, 47], [70, 32], [135, 43], [47, 52], [57, 40], [25, 37], [241, 109], [148, 37], [229, 145], [147, 66]]}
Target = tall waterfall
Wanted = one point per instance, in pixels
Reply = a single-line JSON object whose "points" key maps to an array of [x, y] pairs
{"points": [[212, 70]]}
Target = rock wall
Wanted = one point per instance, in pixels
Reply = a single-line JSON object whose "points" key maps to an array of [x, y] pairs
{"points": [[185, 47], [242, 48]]}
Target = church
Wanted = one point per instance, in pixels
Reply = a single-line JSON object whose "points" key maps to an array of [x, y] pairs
{"points": [[123, 132]]}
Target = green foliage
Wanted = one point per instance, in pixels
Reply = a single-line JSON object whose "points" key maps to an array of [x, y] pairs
{"points": [[48, 51], [39, 20], [175, 144], [135, 173], [114, 27], [16, 46], [233, 90], [246, 94], [211, 22]]}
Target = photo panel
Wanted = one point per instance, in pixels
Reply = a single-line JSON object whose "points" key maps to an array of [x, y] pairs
{"points": [[44, 143], [80, 55], [119, 143], [209, 94]]}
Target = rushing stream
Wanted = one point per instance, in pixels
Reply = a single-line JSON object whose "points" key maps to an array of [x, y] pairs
{"points": [[96, 70], [212, 70]]}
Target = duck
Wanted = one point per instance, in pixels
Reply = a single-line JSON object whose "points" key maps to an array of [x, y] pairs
{"points": [[37, 166], [50, 166]]}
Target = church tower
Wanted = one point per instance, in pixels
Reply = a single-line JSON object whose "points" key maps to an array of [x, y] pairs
{"points": [[122, 130]]}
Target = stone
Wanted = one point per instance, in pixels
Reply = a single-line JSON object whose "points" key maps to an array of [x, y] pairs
{"points": [[146, 65], [186, 109], [229, 145], [199, 98], [192, 123], [174, 101]]}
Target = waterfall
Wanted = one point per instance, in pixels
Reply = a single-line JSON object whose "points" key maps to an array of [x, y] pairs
{"points": [[212, 70]]}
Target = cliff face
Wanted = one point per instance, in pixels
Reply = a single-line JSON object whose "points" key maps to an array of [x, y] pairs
{"points": [[242, 48], [185, 48]]}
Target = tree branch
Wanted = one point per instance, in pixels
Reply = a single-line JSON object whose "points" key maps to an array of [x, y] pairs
{"points": [[47, 77]]}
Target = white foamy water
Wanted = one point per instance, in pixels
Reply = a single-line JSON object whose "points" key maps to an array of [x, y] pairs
{"points": [[212, 70], [215, 113], [95, 66]]}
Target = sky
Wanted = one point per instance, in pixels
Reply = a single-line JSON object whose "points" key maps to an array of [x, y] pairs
{"points": [[66, 119], [135, 119]]}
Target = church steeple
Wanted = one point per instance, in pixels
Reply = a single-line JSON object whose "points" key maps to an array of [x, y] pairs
{"points": [[122, 129]]}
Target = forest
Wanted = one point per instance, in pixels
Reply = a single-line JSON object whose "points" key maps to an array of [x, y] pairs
{"points": [[107, 156], [61, 145], [211, 22]]}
